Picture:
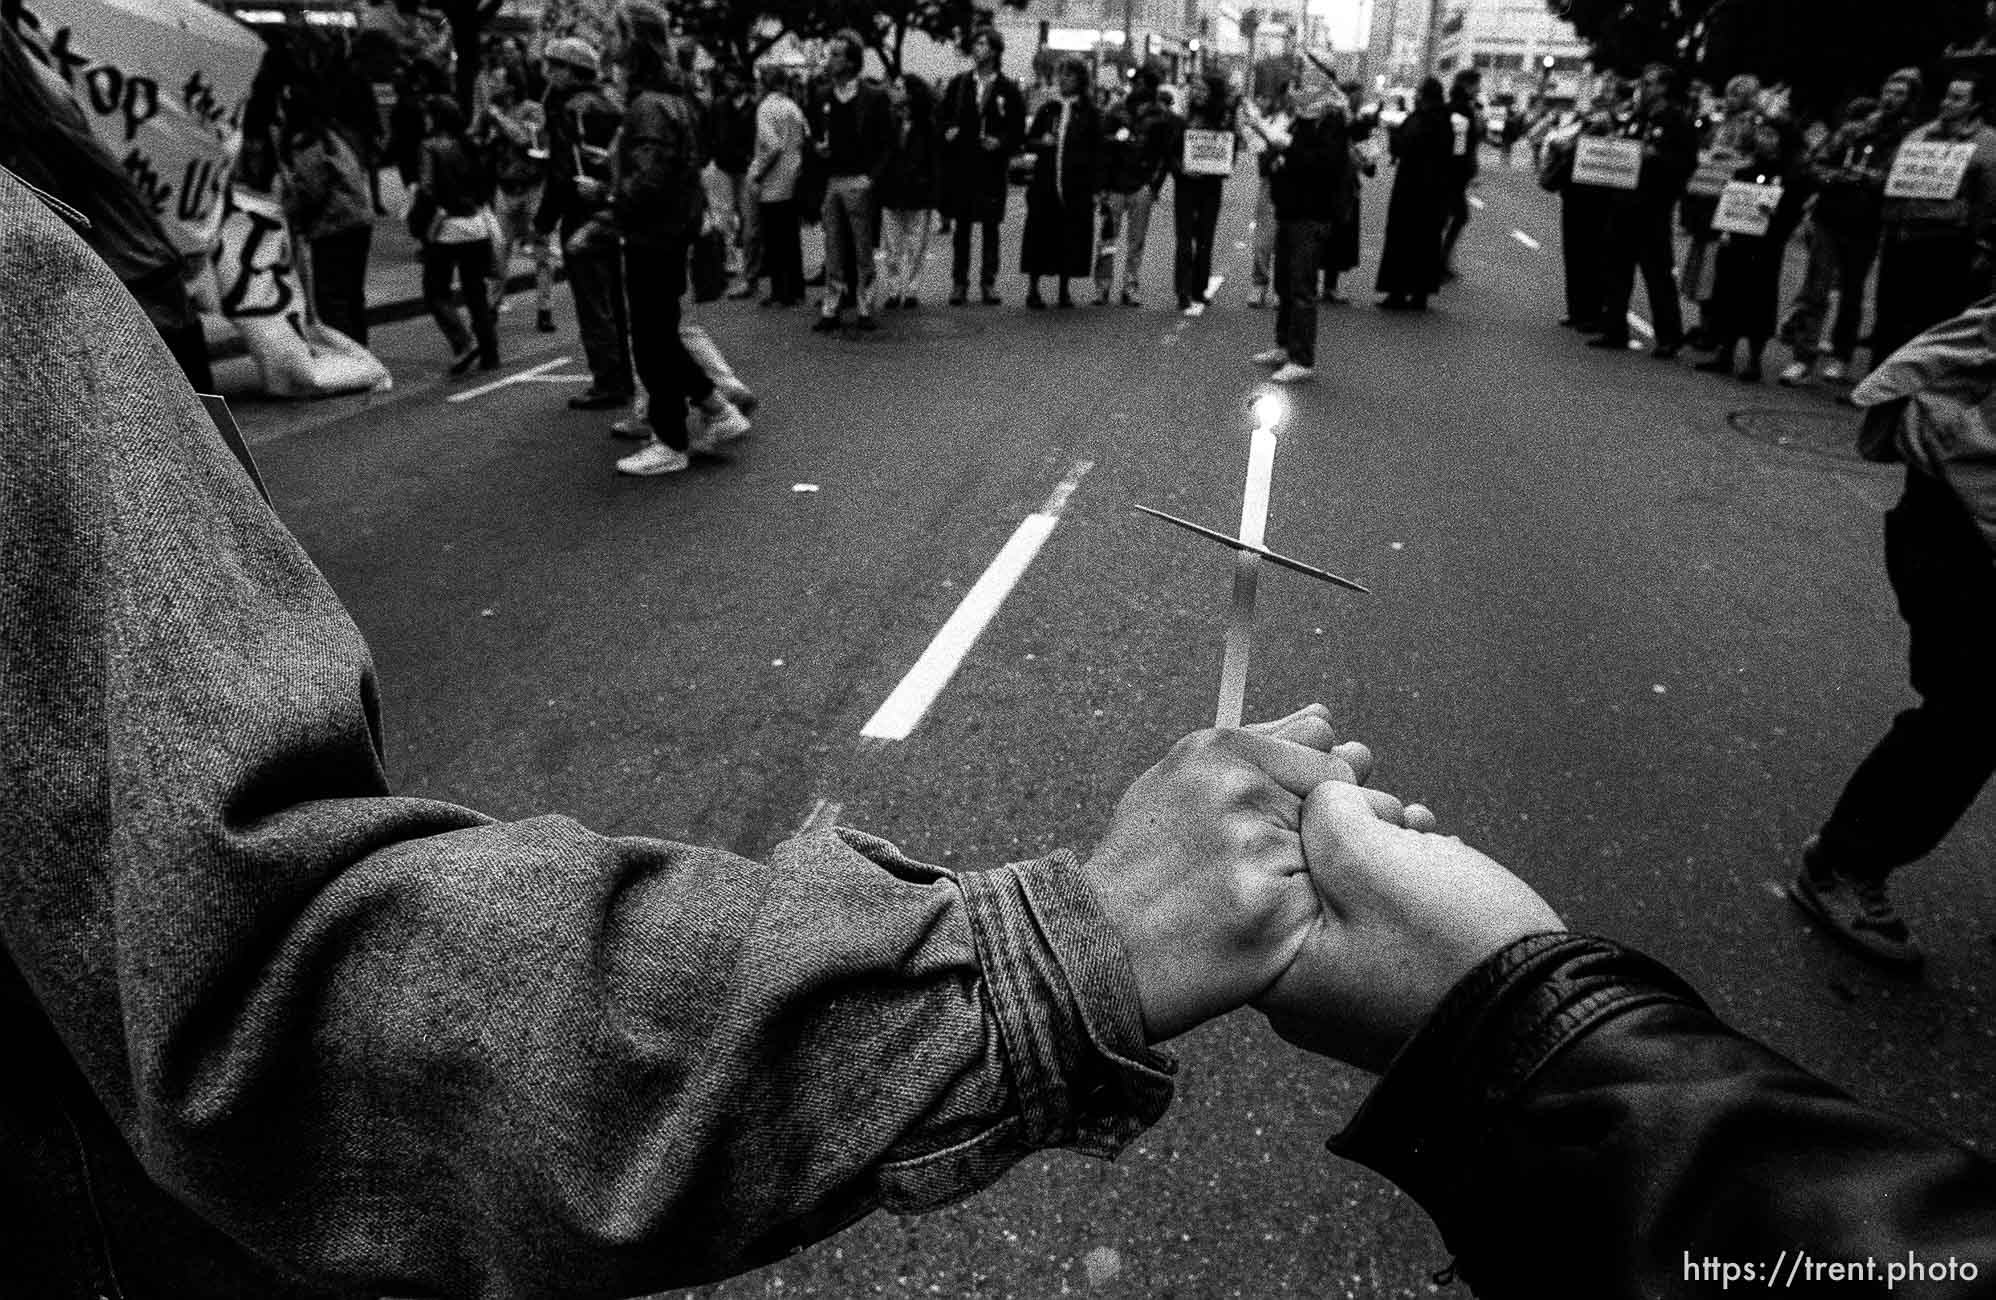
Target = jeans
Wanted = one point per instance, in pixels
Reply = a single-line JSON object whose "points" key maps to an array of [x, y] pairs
{"points": [[656, 275], [1639, 238], [515, 210], [1264, 237], [1127, 223], [1839, 262], [472, 264], [1195, 214], [595, 263], [1299, 247], [849, 234], [782, 250], [1926, 771], [904, 247]]}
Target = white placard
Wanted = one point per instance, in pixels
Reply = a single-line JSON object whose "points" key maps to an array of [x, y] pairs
{"points": [[1208, 153], [1929, 169], [1715, 172], [1461, 126], [1746, 208], [1610, 163], [162, 83]]}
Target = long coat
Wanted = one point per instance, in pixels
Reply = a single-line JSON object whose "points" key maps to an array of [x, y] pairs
{"points": [[1424, 153], [1060, 201], [973, 178]]}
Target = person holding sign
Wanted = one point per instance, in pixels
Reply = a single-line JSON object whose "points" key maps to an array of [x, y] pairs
{"points": [[1201, 163], [1939, 221], [1756, 213], [1639, 222]]}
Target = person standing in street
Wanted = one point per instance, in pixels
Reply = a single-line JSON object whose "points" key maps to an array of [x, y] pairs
{"points": [[1639, 230], [983, 119], [457, 238], [1307, 163], [331, 211], [1410, 265], [1066, 139], [1272, 118], [512, 131], [1195, 195], [909, 191], [659, 203], [1937, 255], [1466, 132], [1726, 142], [780, 132], [1849, 172], [1746, 292], [575, 203], [1583, 214], [1123, 177], [852, 131], [731, 134]]}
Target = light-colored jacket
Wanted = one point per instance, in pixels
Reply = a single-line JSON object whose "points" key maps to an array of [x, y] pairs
{"points": [[779, 147]]}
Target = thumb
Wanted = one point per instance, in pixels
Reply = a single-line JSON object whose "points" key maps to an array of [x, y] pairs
{"points": [[1343, 823]]}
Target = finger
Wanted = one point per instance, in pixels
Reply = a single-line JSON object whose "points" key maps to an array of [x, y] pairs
{"points": [[1359, 755], [1275, 726], [1386, 807], [1341, 820], [1299, 769], [1420, 817]]}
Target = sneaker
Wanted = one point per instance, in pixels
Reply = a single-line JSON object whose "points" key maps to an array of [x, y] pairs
{"points": [[1292, 374], [723, 421], [1856, 911], [737, 392], [1198, 308], [1271, 357], [595, 399], [544, 321], [632, 428], [652, 459], [865, 323], [959, 296], [501, 304], [1835, 371], [1129, 299], [1794, 374]]}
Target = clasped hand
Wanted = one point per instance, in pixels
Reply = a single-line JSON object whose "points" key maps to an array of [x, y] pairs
{"points": [[1254, 866]]}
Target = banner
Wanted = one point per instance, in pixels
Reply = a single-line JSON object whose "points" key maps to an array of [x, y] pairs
{"points": [[1610, 163], [1746, 208], [1208, 153], [1929, 169], [162, 83]]}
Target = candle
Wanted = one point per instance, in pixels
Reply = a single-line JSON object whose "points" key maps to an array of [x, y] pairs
{"points": [[1254, 524]]}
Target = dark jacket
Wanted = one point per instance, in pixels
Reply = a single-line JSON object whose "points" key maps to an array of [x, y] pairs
{"points": [[973, 177], [1850, 169], [1157, 135], [1078, 166], [1670, 152], [1578, 1123], [1307, 179], [456, 176], [659, 198], [1124, 169], [866, 149], [580, 125], [731, 134], [914, 163]]}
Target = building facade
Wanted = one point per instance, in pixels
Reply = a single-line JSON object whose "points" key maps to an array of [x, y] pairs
{"points": [[1521, 49], [1399, 48]]}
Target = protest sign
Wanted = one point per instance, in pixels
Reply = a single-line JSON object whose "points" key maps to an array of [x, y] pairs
{"points": [[1609, 163], [162, 84], [1746, 208], [1208, 153], [1715, 172], [1929, 169]]}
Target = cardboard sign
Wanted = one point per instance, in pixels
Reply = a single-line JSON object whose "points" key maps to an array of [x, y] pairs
{"points": [[1208, 153], [1929, 169], [1715, 172], [1609, 163], [162, 84], [1746, 208]]}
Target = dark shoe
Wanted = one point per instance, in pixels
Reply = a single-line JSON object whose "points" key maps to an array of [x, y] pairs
{"points": [[746, 291], [990, 298], [1065, 302], [1035, 303], [1129, 299], [461, 359], [1610, 343], [1584, 324], [816, 281], [1335, 299], [865, 323], [1718, 365], [595, 399], [1750, 374], [1856, 911], [959, 296], [1102, 298], [1701, 339], [910, 302], [1666, 351], [489, 363], [544, 321], [825, 324]]}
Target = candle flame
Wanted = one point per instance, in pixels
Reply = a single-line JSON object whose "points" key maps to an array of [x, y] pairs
{"points": [[1270, 410]]}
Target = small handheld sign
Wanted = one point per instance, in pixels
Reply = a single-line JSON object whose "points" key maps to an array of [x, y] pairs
{"points": [[1929, 169], [1715, 172], [1607, 162], [1208, 153], [1746, 208]]}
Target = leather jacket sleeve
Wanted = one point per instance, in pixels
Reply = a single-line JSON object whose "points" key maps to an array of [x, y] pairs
{"points": [[1578, 1122]]}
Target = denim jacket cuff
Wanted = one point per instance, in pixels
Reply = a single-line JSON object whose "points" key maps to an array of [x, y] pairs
{"points": [[1067, 1008], [1498, 1027]]}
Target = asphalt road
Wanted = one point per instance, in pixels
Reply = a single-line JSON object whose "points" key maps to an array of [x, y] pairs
{"points": [[1630, 631]]}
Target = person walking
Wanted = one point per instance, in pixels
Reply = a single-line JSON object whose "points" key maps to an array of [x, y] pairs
{"points": [[1423, 148], [575, 203], [1935, 256], [852, 132], [909, 191], [1639, 233], [457, 239], [1123, 177], [730, 120], [1466, 134], [1307, 164], [1746, 293], [780, 132], [1848, 171], [331, 211], [659, 204], [983, 117], [1196, 193], [1066, 138], [512, 133]]}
